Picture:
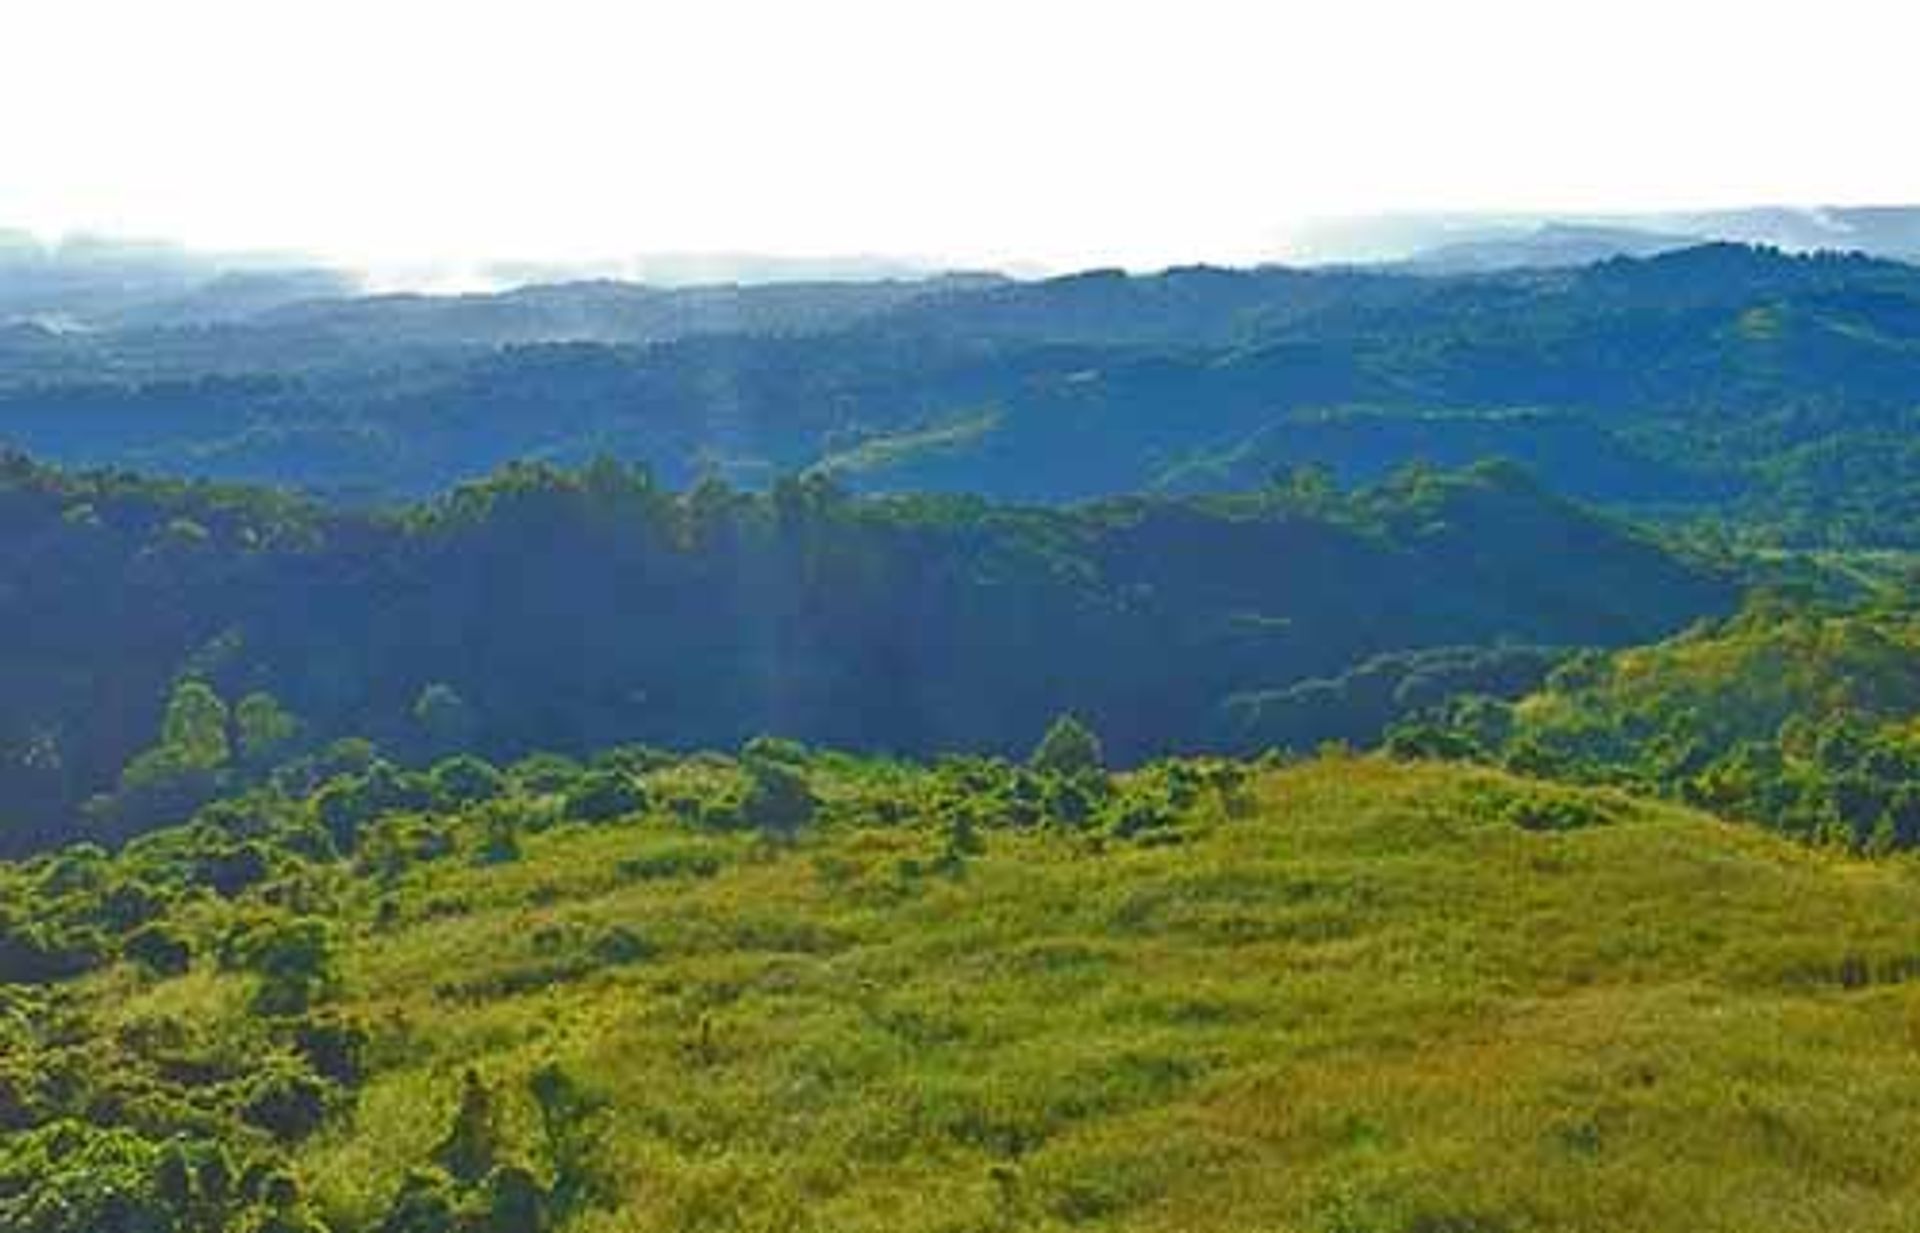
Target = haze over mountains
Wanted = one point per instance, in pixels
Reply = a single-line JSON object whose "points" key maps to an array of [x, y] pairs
{"points": [[89, 282], [103, 282], [1451, 243], [1689, 382]]}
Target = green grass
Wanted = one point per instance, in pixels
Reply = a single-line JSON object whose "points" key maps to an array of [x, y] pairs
{"points": [[1368, 1002]]}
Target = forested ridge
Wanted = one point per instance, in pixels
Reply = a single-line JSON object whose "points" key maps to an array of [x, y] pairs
{"points": [[568, 610], [1768, 394], [1798, 716]]}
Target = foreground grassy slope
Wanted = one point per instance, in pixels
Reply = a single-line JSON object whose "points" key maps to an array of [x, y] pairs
{"points": [[1353, 995]]}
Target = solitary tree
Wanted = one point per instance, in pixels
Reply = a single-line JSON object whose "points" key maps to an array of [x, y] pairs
{"points": [[471, 1143], [778, 798], [1068, 748], [601, 796], [445, 718], [195, 727], [263, 726]]}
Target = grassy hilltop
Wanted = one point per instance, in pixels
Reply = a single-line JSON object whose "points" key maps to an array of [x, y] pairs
{"points": [[1347, 994]]}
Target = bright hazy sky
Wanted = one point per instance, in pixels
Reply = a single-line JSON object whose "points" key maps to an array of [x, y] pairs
{"points": [[972, 132]]}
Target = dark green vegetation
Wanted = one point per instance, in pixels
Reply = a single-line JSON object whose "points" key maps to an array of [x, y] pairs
{"points": [[164, 643], [1803, 719], [1345, 995], [1708, 383]]}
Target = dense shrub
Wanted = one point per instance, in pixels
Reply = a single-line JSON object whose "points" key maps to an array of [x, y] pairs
{"points": [[289, 1104], [292, 958], [1068, 748], [158, 949], [602, 796], [778, 798], [466, 780]]}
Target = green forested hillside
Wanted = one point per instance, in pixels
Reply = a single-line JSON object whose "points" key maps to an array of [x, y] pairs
{"points": [[1718, 382], [805, 992], [160, 643], [1803, 718]]}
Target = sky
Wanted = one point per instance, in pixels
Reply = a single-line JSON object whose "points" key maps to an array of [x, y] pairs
{"points": [[1046, 133]]}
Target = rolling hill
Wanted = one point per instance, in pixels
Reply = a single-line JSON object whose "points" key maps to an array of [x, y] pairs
{"points": [[1344, 995]]}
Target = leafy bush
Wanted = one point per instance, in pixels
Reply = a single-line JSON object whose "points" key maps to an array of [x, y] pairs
{"points": [[1554, 811], [778, 798], [334, 1047], [426, 1203], [466, 780], [674, 862], [345, 806], [293, 959], [1068, 748], [158, 949], [602, 796], [542, 773], [288, 1103]]}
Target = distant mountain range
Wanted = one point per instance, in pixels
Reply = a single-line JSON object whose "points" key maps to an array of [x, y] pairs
{"points": [[1460, 243], [1717, 380], [1548, 246], [94, 283], [91, 283]]}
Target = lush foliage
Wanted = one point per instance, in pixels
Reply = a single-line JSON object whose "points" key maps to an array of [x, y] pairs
{"points": [[1736, 386], [1800, 717], [1343, 995], [161, 645]]}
